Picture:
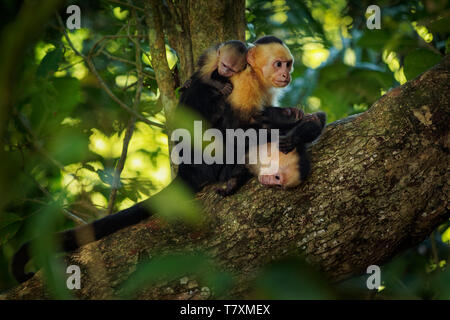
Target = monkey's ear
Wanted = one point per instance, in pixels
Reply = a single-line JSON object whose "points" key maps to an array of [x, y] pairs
{"points": [[251, 60]]}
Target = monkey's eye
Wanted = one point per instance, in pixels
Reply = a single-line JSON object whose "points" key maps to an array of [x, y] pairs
{"points": [[277, 177], [289, 64], [278, 64]]}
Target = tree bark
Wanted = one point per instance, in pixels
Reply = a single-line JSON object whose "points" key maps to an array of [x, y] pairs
{"points": [[379, 184]]}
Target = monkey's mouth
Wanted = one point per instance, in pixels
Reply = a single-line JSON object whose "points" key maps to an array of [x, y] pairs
{"points": [[270, 180], [281, 84], [226, 70]]}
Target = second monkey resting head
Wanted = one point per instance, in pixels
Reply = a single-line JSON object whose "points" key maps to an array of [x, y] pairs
{"points": [[227, 58]]}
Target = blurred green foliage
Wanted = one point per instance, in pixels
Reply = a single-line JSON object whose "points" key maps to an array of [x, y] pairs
{"points": [[64, 138]]}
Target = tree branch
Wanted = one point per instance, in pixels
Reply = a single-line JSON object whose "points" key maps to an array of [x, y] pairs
{"points": [[379, 185], [131, 122], [164, 76]]}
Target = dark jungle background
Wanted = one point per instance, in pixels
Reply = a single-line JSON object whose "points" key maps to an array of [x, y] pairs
{"points": [[63, 139]]}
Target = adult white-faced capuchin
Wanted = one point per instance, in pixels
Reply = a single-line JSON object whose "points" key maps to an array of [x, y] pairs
{"points": [[268, 69]]}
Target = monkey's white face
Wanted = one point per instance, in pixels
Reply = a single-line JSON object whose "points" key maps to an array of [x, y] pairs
{"points": [[275, 62], [279, 71], [276, 169]]}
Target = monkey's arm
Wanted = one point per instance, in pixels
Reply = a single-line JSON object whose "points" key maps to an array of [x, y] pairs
{"points": [[306, 131], [238, 177], [224, 88], [278, 118]]}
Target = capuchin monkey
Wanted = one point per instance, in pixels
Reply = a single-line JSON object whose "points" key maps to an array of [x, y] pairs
{"points": [[206, 91], [290, 164], [219, 63], [269, 64], [269, 68], [268, 71], [287, 164]]}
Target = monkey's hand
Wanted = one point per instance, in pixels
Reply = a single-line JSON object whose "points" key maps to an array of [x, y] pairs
{"points": [[287, 142], [226, 90], [306, 131], [229, 188]]}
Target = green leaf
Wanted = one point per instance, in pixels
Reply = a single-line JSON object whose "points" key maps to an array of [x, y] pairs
{"points": [[49, 64], [53, 100], [9, 225], [68, 93], [173, 266], [419, 61], [69, 145], [8, 218], [374, 39], [89, 167]]}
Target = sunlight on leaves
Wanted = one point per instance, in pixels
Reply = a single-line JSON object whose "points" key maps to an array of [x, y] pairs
{"points": [[171, 57], [107, 147], [123, 81], [120, 14], [314, 54], [423, 32], [313, 103], [41, 49], [87, 179], [349, 57], [99, 200], [446, 236]]}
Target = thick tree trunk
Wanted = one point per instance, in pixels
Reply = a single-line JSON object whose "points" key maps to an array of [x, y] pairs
{"points": [[187, 26], [379, 184]]}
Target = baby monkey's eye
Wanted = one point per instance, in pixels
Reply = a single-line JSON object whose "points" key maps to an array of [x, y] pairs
{"points": [[278, 64], [289, 64]]}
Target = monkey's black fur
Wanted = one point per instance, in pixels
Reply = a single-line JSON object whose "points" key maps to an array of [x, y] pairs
{"points": [[268, 39]]}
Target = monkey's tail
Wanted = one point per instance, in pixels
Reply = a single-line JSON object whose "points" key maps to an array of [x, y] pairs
{"points": [[73, 239], [18, 264]]}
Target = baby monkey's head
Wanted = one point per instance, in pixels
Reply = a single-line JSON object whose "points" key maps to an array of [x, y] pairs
{"points": [[231, 58]]}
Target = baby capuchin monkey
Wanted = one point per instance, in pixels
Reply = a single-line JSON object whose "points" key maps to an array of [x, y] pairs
{"points": [[219, 63], [206, 91]]}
